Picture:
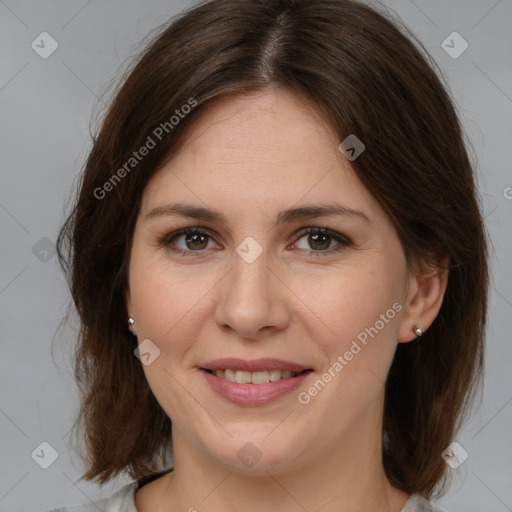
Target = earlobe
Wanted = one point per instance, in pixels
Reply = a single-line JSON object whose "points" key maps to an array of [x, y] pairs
{"points": [[426, 293], [130, 320], [131, 323], [418, 331]]}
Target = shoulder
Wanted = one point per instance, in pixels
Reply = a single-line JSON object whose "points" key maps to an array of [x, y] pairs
{"points": [[417, 503], [121, 501]]}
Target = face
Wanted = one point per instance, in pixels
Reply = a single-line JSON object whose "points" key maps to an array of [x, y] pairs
{"points": [[287, 263]]}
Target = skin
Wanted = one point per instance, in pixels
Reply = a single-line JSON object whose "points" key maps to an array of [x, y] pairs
{"points": [[249, 157]]}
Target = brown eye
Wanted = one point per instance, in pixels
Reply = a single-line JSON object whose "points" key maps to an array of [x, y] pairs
{"points": [[321, 241], [196, 241], [189, 240]]}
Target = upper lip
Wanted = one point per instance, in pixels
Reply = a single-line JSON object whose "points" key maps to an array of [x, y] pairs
{"points": [[254, 365]]}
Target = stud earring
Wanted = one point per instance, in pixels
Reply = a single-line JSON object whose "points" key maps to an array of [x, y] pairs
{"points": [[131, 321], [417, 330]]}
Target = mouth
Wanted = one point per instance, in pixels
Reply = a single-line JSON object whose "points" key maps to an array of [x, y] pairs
{"points": [[254, 371], [259, 377], [255, 382]]}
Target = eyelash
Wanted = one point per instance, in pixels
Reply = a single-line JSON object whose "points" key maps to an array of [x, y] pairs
{"points": [[168, 239]]}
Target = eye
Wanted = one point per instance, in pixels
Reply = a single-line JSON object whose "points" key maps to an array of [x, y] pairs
{"points": [[188, 240], [321, 240], [195, 241]]}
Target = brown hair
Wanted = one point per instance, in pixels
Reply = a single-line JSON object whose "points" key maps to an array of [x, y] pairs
{"points": [[368, 76]]}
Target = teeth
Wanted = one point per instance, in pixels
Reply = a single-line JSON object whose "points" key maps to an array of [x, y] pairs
{"points": [[263, 377], [274, 375], [243, 377], [228, 374], [259, 377]]}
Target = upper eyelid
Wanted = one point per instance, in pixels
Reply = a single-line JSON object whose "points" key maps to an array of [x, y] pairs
{"points": [[339, 237]]}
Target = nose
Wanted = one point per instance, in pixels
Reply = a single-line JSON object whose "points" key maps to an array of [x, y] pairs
{"points": [[252, 300]]}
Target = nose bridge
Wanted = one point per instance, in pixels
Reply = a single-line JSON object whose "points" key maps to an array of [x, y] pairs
{"points": [[250, 266], [250, 299], [250, 276]]}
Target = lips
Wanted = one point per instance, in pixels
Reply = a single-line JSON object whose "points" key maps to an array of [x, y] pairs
{"points": [[256, 382], [253, 395], [255, 365]]}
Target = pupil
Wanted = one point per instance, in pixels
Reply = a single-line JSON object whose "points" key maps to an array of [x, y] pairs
{"points": [[320, 241], [196, 240]]}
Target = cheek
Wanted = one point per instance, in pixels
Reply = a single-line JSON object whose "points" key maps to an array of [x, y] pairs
{"points": [[166, 303], [355, 327], [354, 313], [352, 300], [169, 309]]}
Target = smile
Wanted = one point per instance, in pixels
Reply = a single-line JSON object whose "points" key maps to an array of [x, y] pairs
{"points": [[261, 377], [253, 383]]}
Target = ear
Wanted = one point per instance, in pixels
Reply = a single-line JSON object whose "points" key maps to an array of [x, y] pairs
{"points": [[426, 287]]}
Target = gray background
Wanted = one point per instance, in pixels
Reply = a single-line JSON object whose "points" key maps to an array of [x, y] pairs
{"points": [[46, 108]]}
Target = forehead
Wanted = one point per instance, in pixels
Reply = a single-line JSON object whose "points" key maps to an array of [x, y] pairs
{"points": [[270, 124], [270, 148]]}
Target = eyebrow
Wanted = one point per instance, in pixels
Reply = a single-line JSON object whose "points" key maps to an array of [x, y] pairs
{"points": [[284, 216]]}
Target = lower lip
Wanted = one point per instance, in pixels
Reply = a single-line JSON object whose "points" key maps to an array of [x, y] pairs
{"points": [[254, 394]]}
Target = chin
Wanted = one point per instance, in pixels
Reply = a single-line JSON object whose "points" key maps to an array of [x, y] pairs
{"points": [[257, 454]]}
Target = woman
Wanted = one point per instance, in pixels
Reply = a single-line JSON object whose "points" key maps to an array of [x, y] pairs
{"points": [[279, 263]]}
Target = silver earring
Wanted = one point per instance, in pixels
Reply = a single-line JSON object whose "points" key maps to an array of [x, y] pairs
{"points": [[417, 330], [131, 321]]}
